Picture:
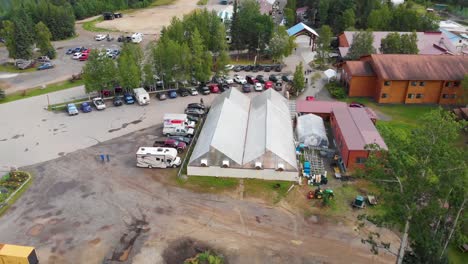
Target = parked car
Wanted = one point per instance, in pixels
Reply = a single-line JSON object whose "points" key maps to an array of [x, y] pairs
{"points": [[356, 105], [278, 86], [128, 98], [217, 80], [268, 85], [69, 51], [186, 140], [76, 55], [86, 107], [278, 68], [195, 112], [251, 79], [100, 37], [248, 68], [204, 90], [255, 68], [224, 88], [71, 109], [43, 59], [266, 68], [99, 103], [84, 57], [196, 106], [287, 78], [117, 101], [213, 88], [79, 49], [24, 64], [260, 78], [228, 79], [273, 78], [193, 91], [172, 94], [193, 118], [310, 98], [171, 143], [258, 87], [45, 66], [161, 96], [229, 67], [240, 79], [238, 68], [246, 88], [183, 92]]}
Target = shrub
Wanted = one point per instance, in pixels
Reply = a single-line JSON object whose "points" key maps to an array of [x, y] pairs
{"points": [[336, 90]]}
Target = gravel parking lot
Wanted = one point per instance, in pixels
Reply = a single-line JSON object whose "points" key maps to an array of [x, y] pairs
{"points": [[78, 209]]}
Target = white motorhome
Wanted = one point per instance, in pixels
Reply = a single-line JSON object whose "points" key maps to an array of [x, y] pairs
{"points": [[177, 120], [141, 96], [137, 37], [151, 157]]}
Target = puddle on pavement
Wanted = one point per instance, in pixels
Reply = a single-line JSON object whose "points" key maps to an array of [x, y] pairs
{"points": [[17, 136]]}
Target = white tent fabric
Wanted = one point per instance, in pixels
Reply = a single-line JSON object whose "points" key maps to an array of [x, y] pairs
{"points": [[246, 131], [311, 131], [330, 73], [228, 113]]}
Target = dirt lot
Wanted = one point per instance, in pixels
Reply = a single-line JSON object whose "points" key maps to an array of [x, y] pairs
{"points": [[78, 210], [150, 21]]}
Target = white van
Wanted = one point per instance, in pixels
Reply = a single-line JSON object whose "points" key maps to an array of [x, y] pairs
{"points": [[178, 120], [137, 37], [141, 96], [151, 157]]}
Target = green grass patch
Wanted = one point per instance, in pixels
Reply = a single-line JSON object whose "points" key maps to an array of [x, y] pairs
{"points": [[10, 67], [344, 196], [16, 196], [272, 191], [91, 26], [39, 91], [455, 256], [209, 184], [162, 2], [202, 2]]}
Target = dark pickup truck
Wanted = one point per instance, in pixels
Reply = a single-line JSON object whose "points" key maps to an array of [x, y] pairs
{"points": [[171, 143]]}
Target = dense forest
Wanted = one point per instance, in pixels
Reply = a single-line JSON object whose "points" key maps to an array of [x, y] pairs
{"points": [[59, 15]]}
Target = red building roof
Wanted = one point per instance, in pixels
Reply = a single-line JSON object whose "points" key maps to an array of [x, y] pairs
{"points": [[357, 128], [317, 107], [360, 68]]}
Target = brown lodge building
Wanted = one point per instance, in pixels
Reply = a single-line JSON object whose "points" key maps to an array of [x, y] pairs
{"points": [[408, 79]]}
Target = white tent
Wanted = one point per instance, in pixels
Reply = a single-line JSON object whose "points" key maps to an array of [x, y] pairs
{"points": [[311, 131], [330, 73]]}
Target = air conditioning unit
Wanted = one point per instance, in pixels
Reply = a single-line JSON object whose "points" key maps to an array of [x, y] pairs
{"points": [[258, 165], [204, 163], [280, 167], [225, 163]]}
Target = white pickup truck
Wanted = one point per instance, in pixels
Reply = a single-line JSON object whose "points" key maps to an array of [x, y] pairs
{"points": [[178, 131]]}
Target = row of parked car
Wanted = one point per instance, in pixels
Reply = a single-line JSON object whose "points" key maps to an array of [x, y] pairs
{"points": [[99, 104], [82, 53], [258, 67]]}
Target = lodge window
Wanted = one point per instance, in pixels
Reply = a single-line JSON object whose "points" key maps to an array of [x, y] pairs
{"points": [[410, 96], [361, 160], [384, 95], [448, 84], [419, 96], [414, 83], [387, 83], [445, 96], [453, 96], [422, 83], [456, 84]]}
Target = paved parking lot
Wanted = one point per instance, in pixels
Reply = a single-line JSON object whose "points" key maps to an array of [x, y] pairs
{"points": [[78, 208]]}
